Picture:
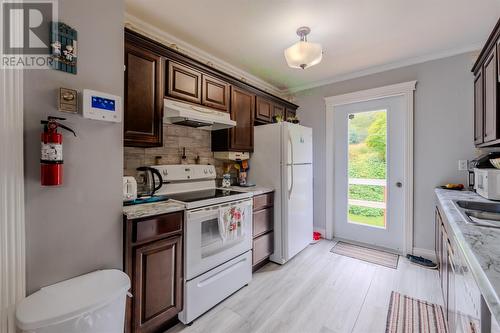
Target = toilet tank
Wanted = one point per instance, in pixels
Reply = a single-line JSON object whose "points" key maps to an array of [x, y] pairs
{"points": [[91, 303]]}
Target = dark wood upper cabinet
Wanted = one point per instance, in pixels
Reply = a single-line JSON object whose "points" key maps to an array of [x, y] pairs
{"points": [[215, 93], [183, 83], [263, 110], [143, 102], [240, 137], [478, 108], [498, 59], [154, 71], [158, 284], [490, 97], [242, 111], [290, 113], [486, 92], [279, 110]]}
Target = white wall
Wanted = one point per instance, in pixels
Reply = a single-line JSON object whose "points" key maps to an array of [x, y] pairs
{"points": [[77, 228], [443, 131]]}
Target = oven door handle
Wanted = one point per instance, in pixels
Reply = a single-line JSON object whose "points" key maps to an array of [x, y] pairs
{"points": [[247, 202]]}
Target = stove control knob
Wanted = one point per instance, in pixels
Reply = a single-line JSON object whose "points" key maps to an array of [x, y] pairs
{"points": [[211, 171], [165, 172], [205, 171]]}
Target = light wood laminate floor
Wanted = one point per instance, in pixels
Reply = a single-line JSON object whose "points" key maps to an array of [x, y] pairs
{"points": [[317, 291]]}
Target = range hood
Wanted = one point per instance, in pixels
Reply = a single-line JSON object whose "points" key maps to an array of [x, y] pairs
{"points": [[195, 116]]}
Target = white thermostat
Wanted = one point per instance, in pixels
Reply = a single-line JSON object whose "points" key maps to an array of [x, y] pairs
{"points": [[101, 106]]}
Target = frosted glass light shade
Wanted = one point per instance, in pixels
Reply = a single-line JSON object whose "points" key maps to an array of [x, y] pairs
{"points": [[303, 54]]}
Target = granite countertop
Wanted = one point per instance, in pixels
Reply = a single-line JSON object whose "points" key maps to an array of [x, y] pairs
{"points": [[256, 190], [151, 209], [480, 246]]}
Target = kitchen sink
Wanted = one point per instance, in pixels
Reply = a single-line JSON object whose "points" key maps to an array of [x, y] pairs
{"points": [[484, 214], [479, 206]]}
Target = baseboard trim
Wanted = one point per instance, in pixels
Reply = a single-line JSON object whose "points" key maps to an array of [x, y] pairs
{"points": [[428, 254]]}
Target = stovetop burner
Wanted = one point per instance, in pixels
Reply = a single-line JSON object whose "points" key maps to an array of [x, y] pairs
{"points": [[202, 195]]}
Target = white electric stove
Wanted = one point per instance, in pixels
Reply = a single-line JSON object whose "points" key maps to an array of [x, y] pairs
{"points": [[217, 251]]}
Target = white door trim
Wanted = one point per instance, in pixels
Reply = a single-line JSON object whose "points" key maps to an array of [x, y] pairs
{"points": [[405, 89], [12, 228]]}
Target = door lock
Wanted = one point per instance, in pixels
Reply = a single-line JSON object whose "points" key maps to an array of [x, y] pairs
{"points": [[399, 184]]}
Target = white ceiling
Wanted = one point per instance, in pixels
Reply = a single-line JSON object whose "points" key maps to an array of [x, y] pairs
{"points": [[357, 35]]}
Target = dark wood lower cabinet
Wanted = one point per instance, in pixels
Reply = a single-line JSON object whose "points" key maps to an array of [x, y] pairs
{"points": [[263, 226], [461, 295], [153, 260]]}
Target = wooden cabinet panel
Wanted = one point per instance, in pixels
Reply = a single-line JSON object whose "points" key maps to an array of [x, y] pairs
{"points": [[451, 310], [153, 259], [263, 247], [263, 225], [215, 93], [158, 226], [279, 110], [490, 97], [290, 113], [242, 111], [184, 83], [263, 201], [478, 108], [498, 59], [263, 110], [143, 102], [157, 284], [263, 221], [240, 137]]}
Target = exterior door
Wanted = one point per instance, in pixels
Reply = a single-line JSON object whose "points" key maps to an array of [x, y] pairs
{"points": [[369, 172]]}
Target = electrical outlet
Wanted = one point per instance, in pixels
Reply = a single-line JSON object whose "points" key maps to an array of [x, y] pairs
{"points": [[463, 165]]}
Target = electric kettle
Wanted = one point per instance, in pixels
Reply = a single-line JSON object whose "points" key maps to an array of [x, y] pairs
{"points": [[151, 182]]}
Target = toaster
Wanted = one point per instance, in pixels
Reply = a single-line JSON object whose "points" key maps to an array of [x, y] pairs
{"points": [[129, 189]]}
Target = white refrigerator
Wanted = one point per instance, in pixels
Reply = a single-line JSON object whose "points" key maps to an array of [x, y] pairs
{"points": [[282, 159]]}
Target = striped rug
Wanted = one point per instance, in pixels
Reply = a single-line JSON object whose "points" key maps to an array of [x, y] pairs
{"points": [[409, 315], [366, 254]]}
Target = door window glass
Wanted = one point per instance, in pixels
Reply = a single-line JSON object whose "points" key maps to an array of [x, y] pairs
{"points": [[367, 168]]}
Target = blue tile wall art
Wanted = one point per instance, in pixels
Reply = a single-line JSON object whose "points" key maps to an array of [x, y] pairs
{"points": [[63, 42]]}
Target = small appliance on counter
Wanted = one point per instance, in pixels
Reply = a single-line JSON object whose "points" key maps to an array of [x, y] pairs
{"points": [[484, 178], [151, 185], [133, 196], [129, 189], [487, 183]]}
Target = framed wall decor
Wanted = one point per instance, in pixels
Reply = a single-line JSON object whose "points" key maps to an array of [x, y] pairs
{"points": [[63, 42]]}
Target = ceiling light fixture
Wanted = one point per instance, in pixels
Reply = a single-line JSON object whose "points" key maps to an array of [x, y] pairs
{"points": [[303, 54]]}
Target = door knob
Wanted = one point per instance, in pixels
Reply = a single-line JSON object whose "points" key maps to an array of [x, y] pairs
{"points": [[399, 184]]}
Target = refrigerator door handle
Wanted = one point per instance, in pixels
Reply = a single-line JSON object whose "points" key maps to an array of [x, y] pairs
{"points": [[291, 165]]}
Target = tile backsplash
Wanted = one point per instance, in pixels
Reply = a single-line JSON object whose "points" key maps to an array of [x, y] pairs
{"points": [[175, 137]]}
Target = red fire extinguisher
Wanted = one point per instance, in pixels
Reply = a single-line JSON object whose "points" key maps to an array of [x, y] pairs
{"points": [[51, 159]]}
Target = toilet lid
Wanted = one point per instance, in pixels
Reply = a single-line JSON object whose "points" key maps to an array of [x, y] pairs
{"points": [[71, 298]]}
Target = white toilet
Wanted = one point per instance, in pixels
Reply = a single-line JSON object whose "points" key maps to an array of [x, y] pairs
{"points": [[91, 303]]}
